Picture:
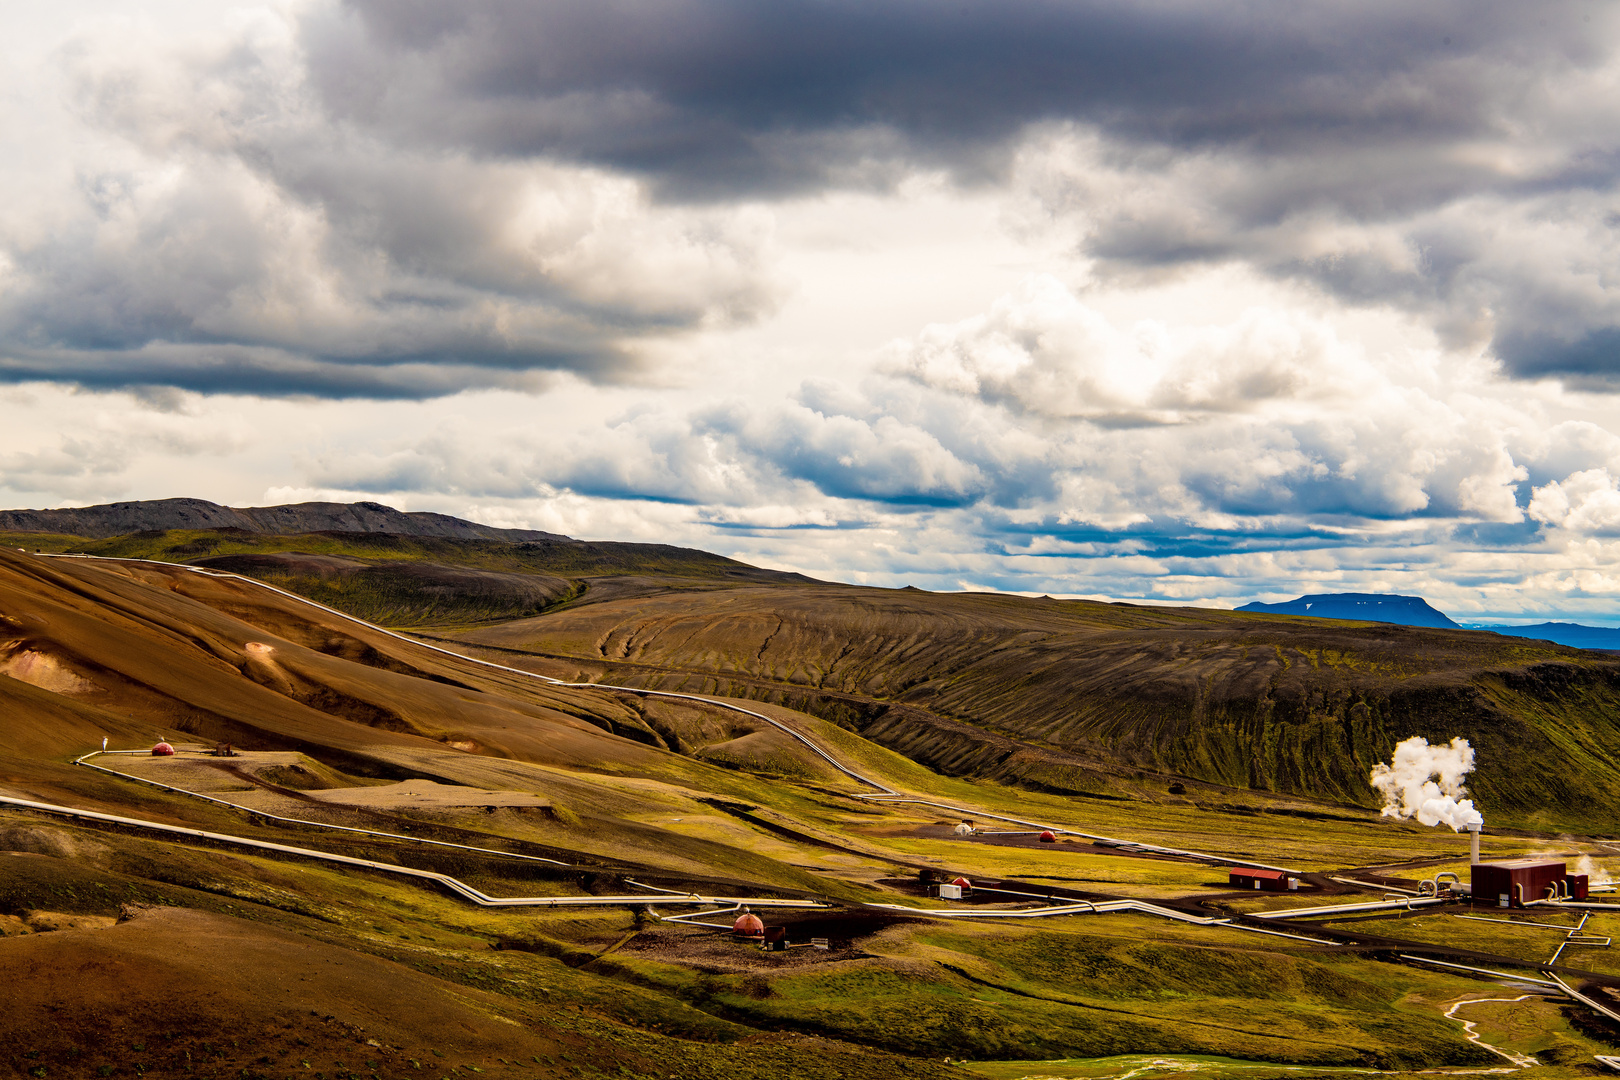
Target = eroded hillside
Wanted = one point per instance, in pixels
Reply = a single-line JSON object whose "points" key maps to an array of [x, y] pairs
{"points": [[1064, 693], [413, 863]]}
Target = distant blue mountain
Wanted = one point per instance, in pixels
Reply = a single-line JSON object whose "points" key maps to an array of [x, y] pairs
{"points": [[1563, 633], [1415, 611], [1364, 607]]}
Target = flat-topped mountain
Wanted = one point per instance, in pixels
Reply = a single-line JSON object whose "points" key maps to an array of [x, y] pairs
{"points": [[1363, 607], [121, 519]]}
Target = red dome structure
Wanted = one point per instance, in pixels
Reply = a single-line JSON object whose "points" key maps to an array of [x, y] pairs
{"points": [[748, 926], [963, 883], [1048, 837], [162, 749]]}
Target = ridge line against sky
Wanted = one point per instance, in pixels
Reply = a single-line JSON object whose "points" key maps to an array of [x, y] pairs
{"points": [[1165, 301]]}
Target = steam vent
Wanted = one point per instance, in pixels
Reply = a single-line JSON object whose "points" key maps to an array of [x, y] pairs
{"points": [[162, 749]]}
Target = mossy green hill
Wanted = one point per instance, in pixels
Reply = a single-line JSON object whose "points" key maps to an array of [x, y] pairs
{"points": [[1060, 695], [128, 951], [1070, 695]]}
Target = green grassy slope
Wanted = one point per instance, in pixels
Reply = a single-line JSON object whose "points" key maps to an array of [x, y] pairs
{"points": [[426, 581], [633, 790], [1063, 694], [1066, 696]]}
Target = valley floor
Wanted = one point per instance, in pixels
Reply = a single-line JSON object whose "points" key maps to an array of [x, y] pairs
{"points": [[328, 925]]}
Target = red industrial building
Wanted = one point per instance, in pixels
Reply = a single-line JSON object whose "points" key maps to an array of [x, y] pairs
{"points": [[1515, 881], [1243, 877]]}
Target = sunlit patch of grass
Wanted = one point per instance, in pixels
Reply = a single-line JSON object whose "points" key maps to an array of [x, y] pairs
{"points": [[1155, 1067]]}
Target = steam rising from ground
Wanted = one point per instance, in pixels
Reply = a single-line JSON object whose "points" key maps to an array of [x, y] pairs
{"points": [[1424, 782], [1594, 871]]}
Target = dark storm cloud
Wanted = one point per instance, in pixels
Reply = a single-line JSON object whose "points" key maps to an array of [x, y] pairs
{"points": [[287, 257], [232, 369], [416, 197], [724, 95], [1244, 128], [1590, 359]]}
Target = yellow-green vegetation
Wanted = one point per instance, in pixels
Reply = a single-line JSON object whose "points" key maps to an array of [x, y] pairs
{"points": [[1526, 936], [1071, 697], [984, 992], [694, 798], [1155, 1067], [1185, 706]]}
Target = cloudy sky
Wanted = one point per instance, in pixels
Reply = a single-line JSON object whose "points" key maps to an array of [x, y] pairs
{"points": [[1145, 299]]}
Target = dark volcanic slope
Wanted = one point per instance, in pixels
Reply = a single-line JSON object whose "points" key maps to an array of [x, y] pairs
{"points": [[1031, 690], [119, 519]]}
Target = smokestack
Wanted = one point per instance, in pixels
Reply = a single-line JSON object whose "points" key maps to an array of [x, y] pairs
{"points": [[1473, 842]]}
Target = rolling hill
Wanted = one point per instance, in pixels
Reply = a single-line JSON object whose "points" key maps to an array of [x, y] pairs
{"points": [[1073, 697], [159, 515], [1076, 696], [125, 950]]}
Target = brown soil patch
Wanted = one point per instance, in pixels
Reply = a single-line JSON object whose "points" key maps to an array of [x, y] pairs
{"points": [[170, 988], [425, 795]]}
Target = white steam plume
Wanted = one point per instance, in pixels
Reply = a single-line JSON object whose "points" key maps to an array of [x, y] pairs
{"points": [[1424, 782], [1594, 872]]}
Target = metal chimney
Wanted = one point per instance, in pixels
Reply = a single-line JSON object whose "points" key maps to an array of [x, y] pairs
{"points": [[1473, 843]]}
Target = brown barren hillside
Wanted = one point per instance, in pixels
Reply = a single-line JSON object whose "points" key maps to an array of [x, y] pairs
{"points": [[228, 661], [413, 864], [134, 652], [1061, 693]]}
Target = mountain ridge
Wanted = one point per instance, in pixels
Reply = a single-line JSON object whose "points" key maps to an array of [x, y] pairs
{"points": [[1363, 607], [107, 520], [1399, 610]]}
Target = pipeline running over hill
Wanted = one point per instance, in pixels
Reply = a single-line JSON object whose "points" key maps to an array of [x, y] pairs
{"points": [[205, 572], [482, 899], [885, 794], [85, 761]]}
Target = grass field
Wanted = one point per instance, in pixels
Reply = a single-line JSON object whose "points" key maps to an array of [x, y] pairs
{"points": [[686, 797]]}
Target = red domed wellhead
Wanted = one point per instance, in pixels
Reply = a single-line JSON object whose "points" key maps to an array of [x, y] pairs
{"points": [[748, 926], [1048, 837], [963, 882], [162, 749]]}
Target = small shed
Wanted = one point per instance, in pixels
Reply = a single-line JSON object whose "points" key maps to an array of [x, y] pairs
{"points": [[1511, 882], [1243, 877]]}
